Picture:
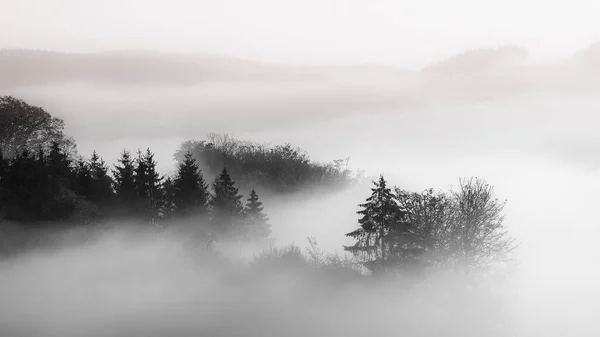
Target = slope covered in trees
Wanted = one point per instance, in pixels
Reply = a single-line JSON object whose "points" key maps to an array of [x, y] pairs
{"points": [[49, 187], [279, 169]]}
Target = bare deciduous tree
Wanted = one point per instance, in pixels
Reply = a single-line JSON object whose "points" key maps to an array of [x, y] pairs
{"points": [[478, 237], [430, 213]]}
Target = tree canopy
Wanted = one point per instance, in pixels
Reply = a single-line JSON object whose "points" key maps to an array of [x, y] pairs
{"points": [[28, 127]]}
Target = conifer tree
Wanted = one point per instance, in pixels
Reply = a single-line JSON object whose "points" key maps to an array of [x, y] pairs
{"points": [[102, 183], [257, 226], [24, 199], [83, 183], [61, 185], [58, 163], [227, 208], [189, 191], [384, 236], [167, 199], [124, 180], [147, 185]]}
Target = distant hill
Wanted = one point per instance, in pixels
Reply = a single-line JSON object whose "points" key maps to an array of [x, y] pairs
{"points": [[480, 60], [587, 58], [30, 67]]}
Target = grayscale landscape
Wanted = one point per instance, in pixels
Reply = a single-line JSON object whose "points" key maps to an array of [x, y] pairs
{"points": [[236, 141]]}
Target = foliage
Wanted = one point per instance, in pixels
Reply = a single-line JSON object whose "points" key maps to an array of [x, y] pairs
{"points": [[478, 237], [147, 185], [28, 127], [398, 230], [124, 181], [384, 237], [431, 214], [190, 191], [256, 226], [226, 206], [278, 169]]}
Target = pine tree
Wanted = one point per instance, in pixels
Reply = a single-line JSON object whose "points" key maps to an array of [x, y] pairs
{"points": [[62, 182], [58, 162], [102, 184], [24, 202], [83, 183], [167, 199], [384, 236], [227, 208], [124, 180], [147, 185], [190, 191], [257, 226]]}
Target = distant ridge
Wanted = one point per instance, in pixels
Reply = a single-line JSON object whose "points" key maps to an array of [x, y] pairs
{"points": [[588, 57], [481, 60], [27, 67], [32, 67]]}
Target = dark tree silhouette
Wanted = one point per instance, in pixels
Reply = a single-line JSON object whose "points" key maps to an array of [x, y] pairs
{"points": [[124, 179], [227, 207], [58, 162], [102, 184], [24, 126], [384, 237], [3, 164], [279, 169], [3, 191], [147, 185], [256, 222], [190, 191], [167, 199], [38, 188], [430, 213], [83, 184]]}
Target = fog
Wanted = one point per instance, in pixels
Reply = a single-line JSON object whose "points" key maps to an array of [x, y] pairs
{"points": [[538, 151], [401, 33], [154, 288], [337, 88]]}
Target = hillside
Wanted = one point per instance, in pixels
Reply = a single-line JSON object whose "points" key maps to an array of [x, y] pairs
{"points": [[480, 60], [30, 67], [27, 67], [587, 58]]}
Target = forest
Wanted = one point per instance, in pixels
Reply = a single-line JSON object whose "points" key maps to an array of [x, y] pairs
{"points": [[215, 196]]}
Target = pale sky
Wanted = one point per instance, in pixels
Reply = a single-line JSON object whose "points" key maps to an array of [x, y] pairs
{"points": [[407, 34]]}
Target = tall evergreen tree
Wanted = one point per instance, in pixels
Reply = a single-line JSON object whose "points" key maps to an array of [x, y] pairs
{"points": [[167, 199], [102, 184], [83, 183], [147, 185], [256, 222], [58, 163], [62, 179], [124, 180], [190, 191], [384, 236], [227, 207], [24, 197]]}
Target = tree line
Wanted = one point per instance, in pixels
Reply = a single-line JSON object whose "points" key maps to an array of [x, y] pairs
{"points": [[47, 186], [463, 229], [44, 181]]}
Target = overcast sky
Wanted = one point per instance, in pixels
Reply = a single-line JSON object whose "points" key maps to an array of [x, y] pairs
{"points": [[408, 34]]}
